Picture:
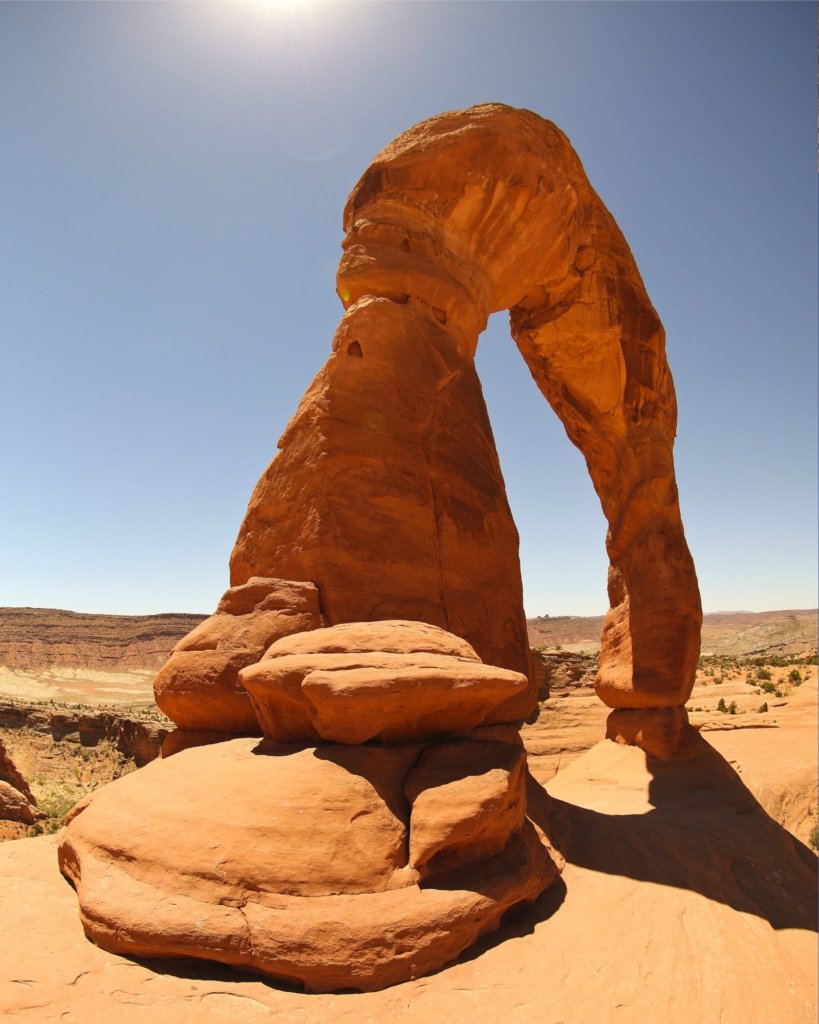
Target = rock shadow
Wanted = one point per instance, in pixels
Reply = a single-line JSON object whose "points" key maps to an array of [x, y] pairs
{"points": [[706, 832]]}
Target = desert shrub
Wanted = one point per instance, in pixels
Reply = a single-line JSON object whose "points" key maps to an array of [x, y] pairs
{"points": [[732, 708], [813, 838], [56, 801], [763, 708], [722, 705], [770, 687], [795, 677], [763, 673], [718, 680]]}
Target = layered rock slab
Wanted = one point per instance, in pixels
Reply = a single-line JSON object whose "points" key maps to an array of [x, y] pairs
{"points": [[392, 681]]}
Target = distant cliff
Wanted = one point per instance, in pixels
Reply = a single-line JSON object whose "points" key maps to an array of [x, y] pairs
{"points": [[37, 638]]}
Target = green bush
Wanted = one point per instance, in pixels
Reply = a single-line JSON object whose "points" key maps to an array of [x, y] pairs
{"points": [[763, 708], [813, 838], [722, 706], [732, 708], [763, 673], [795, 677]]}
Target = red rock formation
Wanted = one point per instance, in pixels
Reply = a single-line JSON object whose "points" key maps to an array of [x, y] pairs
{"points": [[345, 687], [387, 496], [387, 491], [392, 858], [17, 802], [198, 687]]}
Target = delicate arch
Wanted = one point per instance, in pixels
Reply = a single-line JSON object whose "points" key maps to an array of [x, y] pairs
{"points": [[463, 215]]}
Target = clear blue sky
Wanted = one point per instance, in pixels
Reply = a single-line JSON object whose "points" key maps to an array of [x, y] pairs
{"points": [[171, 186]]}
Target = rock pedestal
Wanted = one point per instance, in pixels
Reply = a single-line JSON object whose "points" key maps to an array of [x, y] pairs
{"points": [[374, 834]]}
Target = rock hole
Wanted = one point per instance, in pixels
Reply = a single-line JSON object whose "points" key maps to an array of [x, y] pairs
{"points": [[354, 349], [405, 245]]}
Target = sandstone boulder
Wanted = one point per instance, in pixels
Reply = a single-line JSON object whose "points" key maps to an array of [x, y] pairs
{"points": [[17, 802], [291, 863], [394, 636], [15, 807], [363, 681], [10, 774], [467, 798], [198, 687], [660, 732]]}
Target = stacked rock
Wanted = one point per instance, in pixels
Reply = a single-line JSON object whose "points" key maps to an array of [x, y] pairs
{"points": [[375, 832], [198, 686]]}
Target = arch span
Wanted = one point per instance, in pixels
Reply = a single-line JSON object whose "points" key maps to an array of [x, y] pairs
{"points": [[387, 492]]}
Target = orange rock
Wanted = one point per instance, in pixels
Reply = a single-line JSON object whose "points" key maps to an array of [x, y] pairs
{"points": [[17, 802], [387, 490], [388, 493], [360, 692], [487, 209], [661, 732], [467, 798], [303, 862], [390, 637], [198, 687], [10, 773], [184, 739], [307, 880], [15, 807]]}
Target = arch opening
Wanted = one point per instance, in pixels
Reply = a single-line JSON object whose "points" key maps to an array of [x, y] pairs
{"points": [[560, 524]]}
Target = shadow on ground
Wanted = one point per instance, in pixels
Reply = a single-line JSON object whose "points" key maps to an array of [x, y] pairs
{"points": [[704, 831]]}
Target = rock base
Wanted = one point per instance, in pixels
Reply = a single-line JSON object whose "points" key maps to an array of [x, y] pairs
{"points": [[295, 862]]}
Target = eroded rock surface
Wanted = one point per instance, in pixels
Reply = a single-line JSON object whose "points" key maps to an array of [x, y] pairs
{"points": [[387, 496], [387, 490], [198, 687], [344, 686], [309, 856], [17, 802]]}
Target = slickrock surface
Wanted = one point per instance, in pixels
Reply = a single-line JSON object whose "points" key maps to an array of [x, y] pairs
{"points": [[682, 902], [37, 638]]}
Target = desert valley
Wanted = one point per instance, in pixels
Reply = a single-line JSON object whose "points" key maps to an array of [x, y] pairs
{"points": [[77, 707]]}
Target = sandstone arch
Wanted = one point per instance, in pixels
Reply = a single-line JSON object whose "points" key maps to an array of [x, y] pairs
{"points": [[387, 491], [382, 824]]}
